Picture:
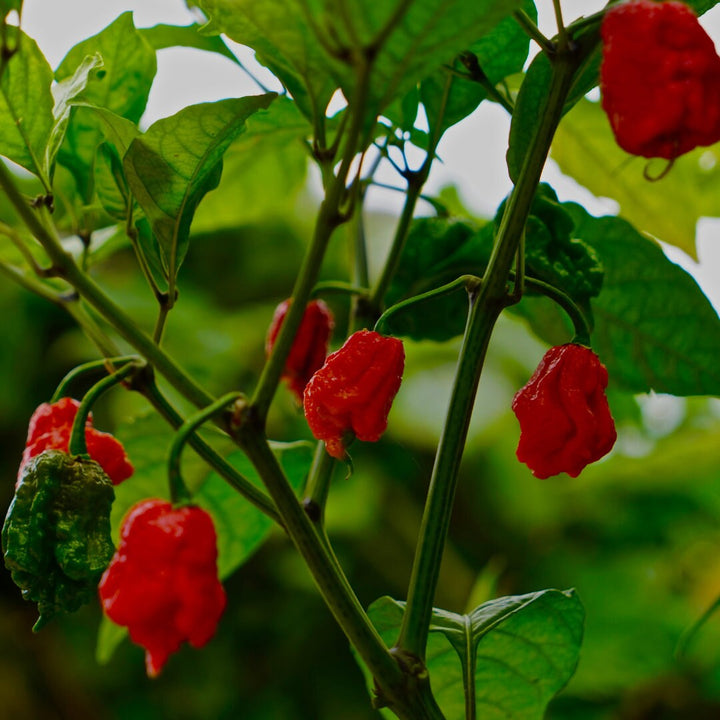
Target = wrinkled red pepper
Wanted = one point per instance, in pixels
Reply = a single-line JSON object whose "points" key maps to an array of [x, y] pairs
{"points": [[564, 416], [352, 393], [50, 427], [310, 346], [162, 582], [659, 78]]}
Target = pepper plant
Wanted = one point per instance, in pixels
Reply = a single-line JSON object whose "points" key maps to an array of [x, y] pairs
{"points": [[366, 86]]}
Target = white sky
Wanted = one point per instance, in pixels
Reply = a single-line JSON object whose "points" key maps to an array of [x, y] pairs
{"points": [[476, 167]]}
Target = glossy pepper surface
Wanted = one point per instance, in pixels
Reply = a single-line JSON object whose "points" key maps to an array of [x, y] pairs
{"points": [[659, 78], [162, 582], [56, 536], [352, 393], [50, 427], [565, 420], [309, 349]]}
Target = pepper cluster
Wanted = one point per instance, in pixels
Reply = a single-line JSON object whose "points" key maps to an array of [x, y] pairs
{"points": [[659, 78], [162, 582], [50, 427]]}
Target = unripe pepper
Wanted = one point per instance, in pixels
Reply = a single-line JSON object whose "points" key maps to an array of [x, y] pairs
{"points": [[56, 536], [309, 349], [50, 427], [564, 416], [162, 582], [659, 78], [352, 393]]}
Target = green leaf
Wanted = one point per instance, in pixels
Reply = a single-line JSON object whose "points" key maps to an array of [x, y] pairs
{"points": [[178, 160], [668, 208], [437, 251], [284, 40], [166, 36], [500, 53], [510, 656], [26, 104], [65, 92], [123, 87], [7, 6], [654, 327]]}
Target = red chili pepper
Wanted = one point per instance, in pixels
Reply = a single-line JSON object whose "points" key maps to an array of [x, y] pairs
{"points": [[352, 393], [564, 415], [162, 582], [50, 427], [660, 79], [310, 346]]}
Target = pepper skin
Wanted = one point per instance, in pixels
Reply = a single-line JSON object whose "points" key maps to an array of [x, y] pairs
{"points": [[50, 427], [353, 391], [659, 78], [564, 416], [56, 536], [309, 349], [162, 582]]}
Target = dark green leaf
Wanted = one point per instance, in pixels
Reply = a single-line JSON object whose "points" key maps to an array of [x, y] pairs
{"points": [[165, 36], [178, 160], [654, 328], [500, 53], [7, 6], [512, 654], [437, 251], [123, 87], [26, 104], [284, 39]]}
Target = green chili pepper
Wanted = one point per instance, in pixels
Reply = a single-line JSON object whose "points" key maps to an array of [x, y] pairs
{"points": [[56, 535]]}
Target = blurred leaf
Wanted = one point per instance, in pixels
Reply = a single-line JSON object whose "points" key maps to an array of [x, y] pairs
{"points": [[437, 251], [668, 208], [165, 36], [26, 104], [654, 327], [178, 160], [284, 39], [7, 6], [122, 86], [519, 651], [500, 53]]}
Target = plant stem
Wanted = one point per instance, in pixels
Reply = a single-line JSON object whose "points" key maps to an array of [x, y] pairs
{"points": [[318, 485], [486, 305], [77, 445], [533, 32], [334, 586], [86, 368], [179, 493]]}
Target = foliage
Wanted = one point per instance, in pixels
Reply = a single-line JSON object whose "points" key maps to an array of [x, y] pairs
{"points": [[175, 241]]}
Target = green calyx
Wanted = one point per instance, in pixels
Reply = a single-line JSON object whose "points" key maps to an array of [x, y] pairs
{"points": [[56, 536]]}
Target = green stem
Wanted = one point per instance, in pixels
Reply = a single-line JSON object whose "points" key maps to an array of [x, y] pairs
{"points": [[179, 493], [318, 485], [486, 307], [145, 384], [87, 368], [339, 287], [533, 32], [77, 445], [334, 586]]}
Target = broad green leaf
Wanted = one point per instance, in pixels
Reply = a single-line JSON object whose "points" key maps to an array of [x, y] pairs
{"points": [[240, 527], [500, 53], [123, 87], [26, 104], [667, 208], [264, 169], [284, 39], [65, 92], [654, 328], [509, 657], [166, 36], [437, 251], [7, 6], [178, 160]]}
